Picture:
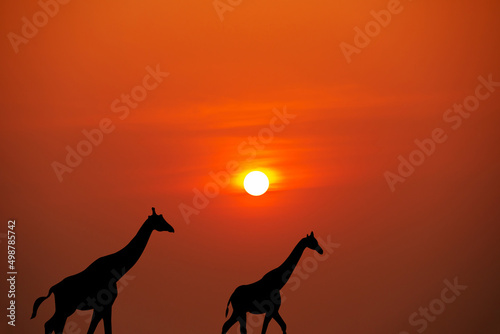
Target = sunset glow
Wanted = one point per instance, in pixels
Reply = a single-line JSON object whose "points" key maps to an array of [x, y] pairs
{"points": [[248, 125]]}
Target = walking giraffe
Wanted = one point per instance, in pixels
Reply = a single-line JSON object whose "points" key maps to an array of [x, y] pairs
{"points": [[255, 297], [85, 290]]}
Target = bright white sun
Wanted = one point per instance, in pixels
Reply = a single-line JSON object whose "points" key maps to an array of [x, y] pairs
{"points": [[256, 183]]}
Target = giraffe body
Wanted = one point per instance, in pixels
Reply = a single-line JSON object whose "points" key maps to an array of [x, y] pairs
{"points": [[95, 288], [263, 296]]}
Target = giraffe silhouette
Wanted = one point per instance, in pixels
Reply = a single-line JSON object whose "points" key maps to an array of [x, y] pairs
{"points": [[95, 288], [263, 296]]}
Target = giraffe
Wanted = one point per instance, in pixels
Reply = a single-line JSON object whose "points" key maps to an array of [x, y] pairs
{"points": [[87, 289], [263, 296]]}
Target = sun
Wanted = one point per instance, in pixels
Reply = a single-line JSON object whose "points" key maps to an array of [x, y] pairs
{"points": [[256, 183]]}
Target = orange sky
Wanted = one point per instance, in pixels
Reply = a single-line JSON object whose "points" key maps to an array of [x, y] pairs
{"points": [[227, 79]]}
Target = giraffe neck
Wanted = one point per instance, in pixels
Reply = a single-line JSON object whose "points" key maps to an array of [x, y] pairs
{"points": [[127, 257], [285, 270]]}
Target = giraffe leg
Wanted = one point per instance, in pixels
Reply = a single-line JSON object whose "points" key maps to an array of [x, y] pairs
{"points": [[107, 320], [280, 321], [96, 317], [228, 324], [49, 325], [267, 319], [243, 324], [59, 324]]}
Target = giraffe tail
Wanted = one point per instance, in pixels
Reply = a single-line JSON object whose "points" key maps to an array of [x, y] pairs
{"points": [[39, 301]]}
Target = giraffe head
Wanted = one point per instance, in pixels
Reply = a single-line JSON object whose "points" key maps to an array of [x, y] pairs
{"points": [[159, 223], [312, 243]]}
